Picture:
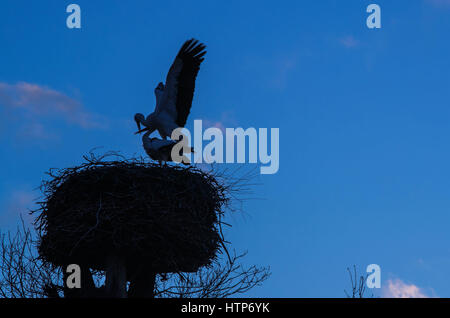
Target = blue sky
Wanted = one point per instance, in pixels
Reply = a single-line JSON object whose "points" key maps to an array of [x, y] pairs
{"points": [[363, 117]]}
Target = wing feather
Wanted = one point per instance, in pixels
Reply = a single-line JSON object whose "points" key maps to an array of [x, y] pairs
{"points": [[180, 81]]}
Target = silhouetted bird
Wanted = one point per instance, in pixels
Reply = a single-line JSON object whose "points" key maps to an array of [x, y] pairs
{"points": [[161, 150], [174, 99]]}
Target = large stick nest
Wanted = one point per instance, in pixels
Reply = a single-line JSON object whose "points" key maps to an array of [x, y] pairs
{"points": [[166, 218]]}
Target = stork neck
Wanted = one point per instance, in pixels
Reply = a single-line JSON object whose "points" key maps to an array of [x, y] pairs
{"points": [[147, 135]]}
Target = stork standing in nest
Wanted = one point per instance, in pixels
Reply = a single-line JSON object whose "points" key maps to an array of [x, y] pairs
{"points": [[174, 98], [161, 150]]}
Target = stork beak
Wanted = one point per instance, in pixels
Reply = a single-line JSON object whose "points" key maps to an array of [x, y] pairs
{"points": [[141, 130], [138, 124]]}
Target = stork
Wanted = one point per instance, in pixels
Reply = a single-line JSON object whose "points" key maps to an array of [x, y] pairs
{"points": [[174, 99], [161, 150]]}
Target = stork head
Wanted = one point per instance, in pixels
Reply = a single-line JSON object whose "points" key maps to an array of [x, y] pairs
{"points": [[147, 122], [139, 119]]}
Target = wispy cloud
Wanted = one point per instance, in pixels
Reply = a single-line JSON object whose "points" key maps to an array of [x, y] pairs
{"points": [[398, 289], [37, 130], [227, 119], [284, 67], [439, 3], [18, 204], [349, 41], [34, 103], [213, 124]]}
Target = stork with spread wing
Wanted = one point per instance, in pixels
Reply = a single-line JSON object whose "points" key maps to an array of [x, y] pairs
{"points": [[174, 99]]}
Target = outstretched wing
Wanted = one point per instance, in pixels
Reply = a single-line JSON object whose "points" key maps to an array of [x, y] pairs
{"points": [[180, 81]]}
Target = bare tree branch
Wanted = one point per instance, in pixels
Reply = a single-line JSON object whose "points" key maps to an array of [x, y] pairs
{"points": [[358, 284], [22, 273]]}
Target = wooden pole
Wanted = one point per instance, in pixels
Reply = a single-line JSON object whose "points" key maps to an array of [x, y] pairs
{"points": [[143, 284], [116, 277]]}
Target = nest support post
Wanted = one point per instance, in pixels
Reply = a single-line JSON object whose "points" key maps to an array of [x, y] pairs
{"points": [[116, 277], [142, 285]]}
